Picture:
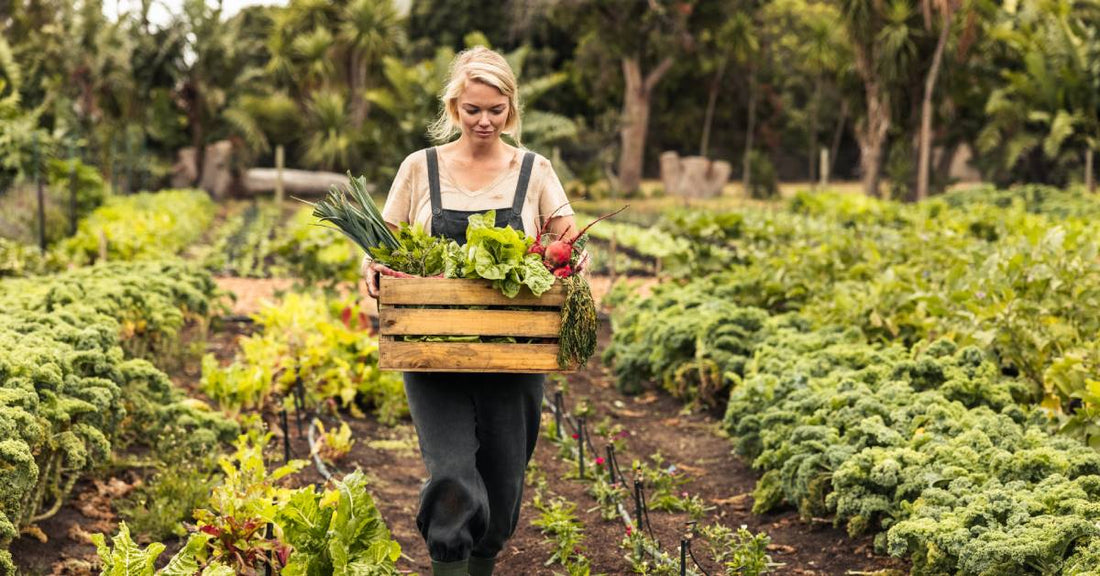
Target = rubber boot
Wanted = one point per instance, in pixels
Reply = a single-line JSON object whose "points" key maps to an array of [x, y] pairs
{"points": [[481, 566], [456, 568]]}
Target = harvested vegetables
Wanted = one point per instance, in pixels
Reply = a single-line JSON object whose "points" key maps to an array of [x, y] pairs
{"points": [[507, 257], [361, 221]]}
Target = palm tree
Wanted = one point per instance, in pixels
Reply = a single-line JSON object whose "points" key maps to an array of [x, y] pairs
{"points": [[330, 143], [370, 30], [946, 9], [1049, 103]]}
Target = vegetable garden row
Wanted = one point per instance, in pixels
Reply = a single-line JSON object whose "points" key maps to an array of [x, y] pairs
{"points": [[928, 373]]}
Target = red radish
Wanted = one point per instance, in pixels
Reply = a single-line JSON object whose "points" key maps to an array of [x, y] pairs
{"points": [[564, 272], [560, 251], [538, 247]]}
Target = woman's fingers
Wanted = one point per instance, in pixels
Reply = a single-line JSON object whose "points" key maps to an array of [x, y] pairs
{"points": [[371, 278], [582, 262]]}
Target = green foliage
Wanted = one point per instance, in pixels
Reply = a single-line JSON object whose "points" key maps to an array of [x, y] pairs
{"points": [[324, 343], [691, 340], [338, 531], [142, 226], [248, 499], [765, 182], [897, 388], [18, 259], [244, 243], [71, 392], [157, 508], [341, 533], [416, 253], [500, 255], [879, 437], [91, 190], [741, 553], [309, 252], [558, 521], [663, 488]]}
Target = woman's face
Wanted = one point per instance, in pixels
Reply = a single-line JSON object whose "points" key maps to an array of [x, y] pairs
{"points": [[482, 112]]}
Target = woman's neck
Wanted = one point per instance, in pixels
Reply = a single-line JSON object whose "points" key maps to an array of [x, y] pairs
{"points": [[467, 148]]}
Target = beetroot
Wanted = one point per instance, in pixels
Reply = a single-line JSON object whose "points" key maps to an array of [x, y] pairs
{"points": [[560, 252]]}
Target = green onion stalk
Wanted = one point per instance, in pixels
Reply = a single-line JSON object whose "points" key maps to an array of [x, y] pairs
{"points": [[357, 217]]}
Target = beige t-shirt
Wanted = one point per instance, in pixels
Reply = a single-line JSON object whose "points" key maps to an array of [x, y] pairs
{"points": [[410, 200]]}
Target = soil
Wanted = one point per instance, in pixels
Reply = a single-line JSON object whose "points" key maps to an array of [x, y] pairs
{"points": [[656, 424], [389, 455]]}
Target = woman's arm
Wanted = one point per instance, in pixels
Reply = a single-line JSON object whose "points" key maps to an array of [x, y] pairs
{"points": [[562, 226]]}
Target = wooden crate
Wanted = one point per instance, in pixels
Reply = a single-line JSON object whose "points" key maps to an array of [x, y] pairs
{"points": [[428, 307]]}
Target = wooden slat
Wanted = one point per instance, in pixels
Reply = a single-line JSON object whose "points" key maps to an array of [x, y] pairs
{"points": [[456, 322], [459, 292], [467, 357]]}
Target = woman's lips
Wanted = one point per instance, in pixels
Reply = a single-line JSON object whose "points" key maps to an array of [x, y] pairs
{"points": [[483, 132]]}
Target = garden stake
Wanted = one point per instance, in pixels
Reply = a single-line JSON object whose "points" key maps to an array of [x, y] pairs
{"points": [[286, 436], [691, 525], [644, 508], [72, 189], [615, 466], [41, 197], [269, 535], [638, 503], [611, 463], [299, 398], [557, 412], [683, 557], [580, 444]]}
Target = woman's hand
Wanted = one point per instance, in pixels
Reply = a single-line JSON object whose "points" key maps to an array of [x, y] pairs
{"points": [[369, 270], [582, 264]]}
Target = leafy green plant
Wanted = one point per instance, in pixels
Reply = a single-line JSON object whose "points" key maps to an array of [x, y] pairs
{"points": [[338, 532], [158, 507], [74, 394], [322, 343], [500, 255], [334, 444], [741, 553], [416, 253], [141, 226]]}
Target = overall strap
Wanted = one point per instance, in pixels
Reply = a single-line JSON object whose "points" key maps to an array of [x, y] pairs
{"points": [[433, 183], [521, 186]]}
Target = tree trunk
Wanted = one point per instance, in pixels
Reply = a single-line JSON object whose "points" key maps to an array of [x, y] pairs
{"points": [[834, 148], [1090, 178], [746, 162], [871, 132], [357, 88], [194, 117], [712, 102], [635, 113], [925, 161], [813, 152]]}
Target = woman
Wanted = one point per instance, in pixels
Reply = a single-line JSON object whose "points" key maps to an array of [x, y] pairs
{"points": [[477, 431]]}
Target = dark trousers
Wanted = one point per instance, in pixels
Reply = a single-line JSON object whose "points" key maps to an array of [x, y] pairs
{"points": [[477, 432]]}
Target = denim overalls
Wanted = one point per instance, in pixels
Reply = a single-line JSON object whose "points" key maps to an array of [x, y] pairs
{"points": [[477, 432]]}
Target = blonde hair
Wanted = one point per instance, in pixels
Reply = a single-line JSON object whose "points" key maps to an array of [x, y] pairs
{"points": [[477, 64]]}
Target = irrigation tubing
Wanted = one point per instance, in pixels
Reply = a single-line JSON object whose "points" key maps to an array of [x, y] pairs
{"points": [[655, 552]]}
